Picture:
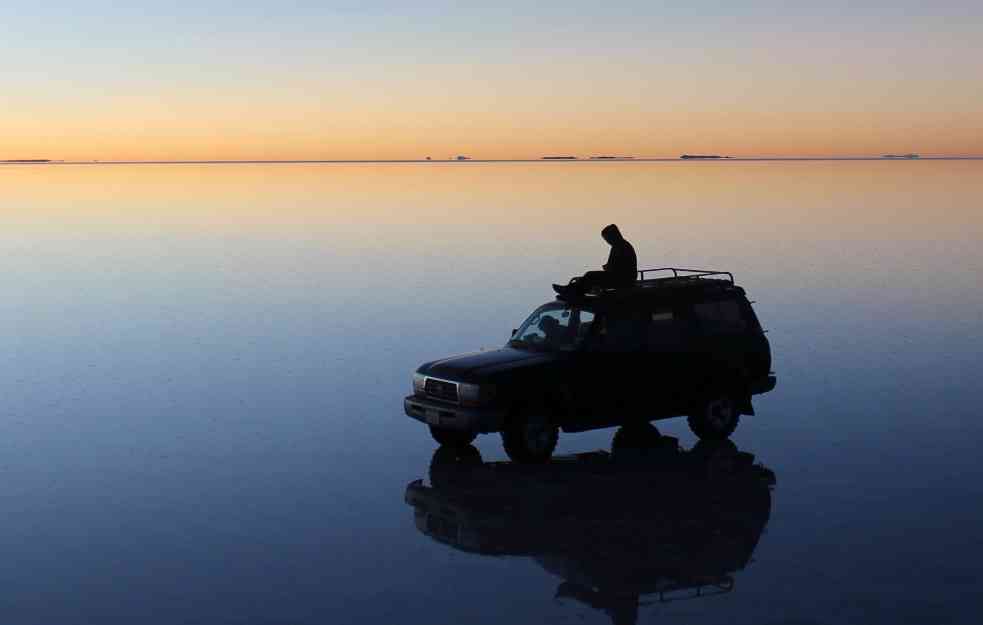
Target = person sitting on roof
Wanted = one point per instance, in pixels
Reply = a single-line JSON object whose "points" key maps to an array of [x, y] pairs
{"points": [[620, 270]]}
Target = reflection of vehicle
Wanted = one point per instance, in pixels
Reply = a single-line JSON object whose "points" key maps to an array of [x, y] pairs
{"points": [[647, 522], [688, 344]]}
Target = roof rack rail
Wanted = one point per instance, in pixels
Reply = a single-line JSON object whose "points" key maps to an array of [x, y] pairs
{"points": [[679, 272]]}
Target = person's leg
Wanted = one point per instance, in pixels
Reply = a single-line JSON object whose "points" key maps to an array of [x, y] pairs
{"points": [[590, 280], [593, 279], [580, 285], [571, 288]]}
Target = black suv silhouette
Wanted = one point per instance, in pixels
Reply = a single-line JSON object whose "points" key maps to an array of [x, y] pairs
{"points": [[646, 523], [687, 344]]}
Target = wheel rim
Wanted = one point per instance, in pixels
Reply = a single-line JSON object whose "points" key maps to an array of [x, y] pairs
{"points": [[720, 413]]}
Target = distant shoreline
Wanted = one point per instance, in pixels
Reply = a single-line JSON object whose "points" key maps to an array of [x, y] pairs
{"points": [[35, 162]]}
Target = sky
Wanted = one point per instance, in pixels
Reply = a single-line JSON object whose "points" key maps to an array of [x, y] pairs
{"points": [[296, 80]]}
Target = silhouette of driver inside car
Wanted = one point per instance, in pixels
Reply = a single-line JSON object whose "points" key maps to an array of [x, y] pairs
{"points": [[553, 332]]}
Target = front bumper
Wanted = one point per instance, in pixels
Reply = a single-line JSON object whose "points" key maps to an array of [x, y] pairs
{"points": [[452, 416]]}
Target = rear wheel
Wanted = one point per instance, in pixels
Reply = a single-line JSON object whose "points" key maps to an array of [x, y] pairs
{"points": [[452, 438], [716, 458], [530, 438], [715, 419]]}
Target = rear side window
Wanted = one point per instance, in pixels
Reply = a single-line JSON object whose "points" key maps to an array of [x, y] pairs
{"points": [[724, 315], [665, 329]]}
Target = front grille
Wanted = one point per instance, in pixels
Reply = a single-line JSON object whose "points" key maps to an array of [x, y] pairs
{"points": [[438, 389]]}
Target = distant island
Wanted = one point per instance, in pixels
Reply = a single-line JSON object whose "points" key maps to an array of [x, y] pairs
{"points": [[702, 156], [462, 158], [611, 158], [27, 160], [912, 155], [558, 158]]}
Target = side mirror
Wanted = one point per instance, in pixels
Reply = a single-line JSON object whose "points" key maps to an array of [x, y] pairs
{"points": [[514, 330]]}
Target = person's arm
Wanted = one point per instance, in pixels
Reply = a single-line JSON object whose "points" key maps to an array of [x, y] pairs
{"points": [[612, 261]]}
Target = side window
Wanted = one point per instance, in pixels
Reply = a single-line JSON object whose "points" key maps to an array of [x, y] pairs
{"points": [[548, 323], [723, 315], [557, 328], [620, 332]]}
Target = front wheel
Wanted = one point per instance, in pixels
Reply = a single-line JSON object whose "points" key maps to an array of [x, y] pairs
{"points": [[530, 439], [452, 465], [453, 438], [715, 419]]}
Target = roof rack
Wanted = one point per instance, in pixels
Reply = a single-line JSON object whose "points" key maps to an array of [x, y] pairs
{"points": [[681, 273], [680, 277]]}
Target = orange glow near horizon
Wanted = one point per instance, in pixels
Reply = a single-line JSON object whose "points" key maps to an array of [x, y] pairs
{"points": [[659, 195], [234, 135]]}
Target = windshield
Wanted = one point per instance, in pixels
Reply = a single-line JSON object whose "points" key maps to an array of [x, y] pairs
{"points": [[554, 327]]}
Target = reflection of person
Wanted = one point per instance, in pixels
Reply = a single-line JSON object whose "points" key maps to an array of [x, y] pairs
{"points": [[620, 270]]}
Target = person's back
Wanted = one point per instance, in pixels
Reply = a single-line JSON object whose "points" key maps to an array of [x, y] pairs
{"points": [[622, 261]]}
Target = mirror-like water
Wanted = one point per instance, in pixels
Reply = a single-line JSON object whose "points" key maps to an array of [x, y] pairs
{"points": [[202, 379]]}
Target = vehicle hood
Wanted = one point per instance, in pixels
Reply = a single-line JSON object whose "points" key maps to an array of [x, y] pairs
{"points": [[475, 365]]}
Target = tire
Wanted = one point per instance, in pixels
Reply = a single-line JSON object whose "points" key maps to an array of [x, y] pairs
{"points": [[452, 438], [716, 458], [530, 439], [642, 443], [451, 466], [465, 455], [635, 437], [715, 419]]}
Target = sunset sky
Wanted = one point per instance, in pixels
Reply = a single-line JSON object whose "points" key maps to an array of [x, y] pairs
{"points": [[291, 80]]}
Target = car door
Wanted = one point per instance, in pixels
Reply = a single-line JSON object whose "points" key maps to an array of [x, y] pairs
{"points": [[612, 367], [570, 379], [670, 358]]}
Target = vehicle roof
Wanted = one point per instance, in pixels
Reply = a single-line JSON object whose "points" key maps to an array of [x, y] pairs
{"points": [[670, 289]]}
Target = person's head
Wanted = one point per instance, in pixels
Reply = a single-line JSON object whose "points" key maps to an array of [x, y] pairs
{"points": [[611, 234]]}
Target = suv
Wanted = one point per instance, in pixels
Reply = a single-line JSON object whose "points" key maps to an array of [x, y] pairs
{"points": [[686, 344]]}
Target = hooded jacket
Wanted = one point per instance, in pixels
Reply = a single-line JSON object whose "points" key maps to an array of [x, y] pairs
{"points": [[622, 262]]}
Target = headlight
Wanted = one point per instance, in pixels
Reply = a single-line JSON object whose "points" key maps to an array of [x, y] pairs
{"points": [[419, 381], [475, 394]]}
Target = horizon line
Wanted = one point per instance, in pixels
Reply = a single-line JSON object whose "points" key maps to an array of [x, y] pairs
{"points": [[606, 159]]}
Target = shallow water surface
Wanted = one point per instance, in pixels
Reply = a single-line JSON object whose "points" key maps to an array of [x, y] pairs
{"points": [[201, 396]]}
